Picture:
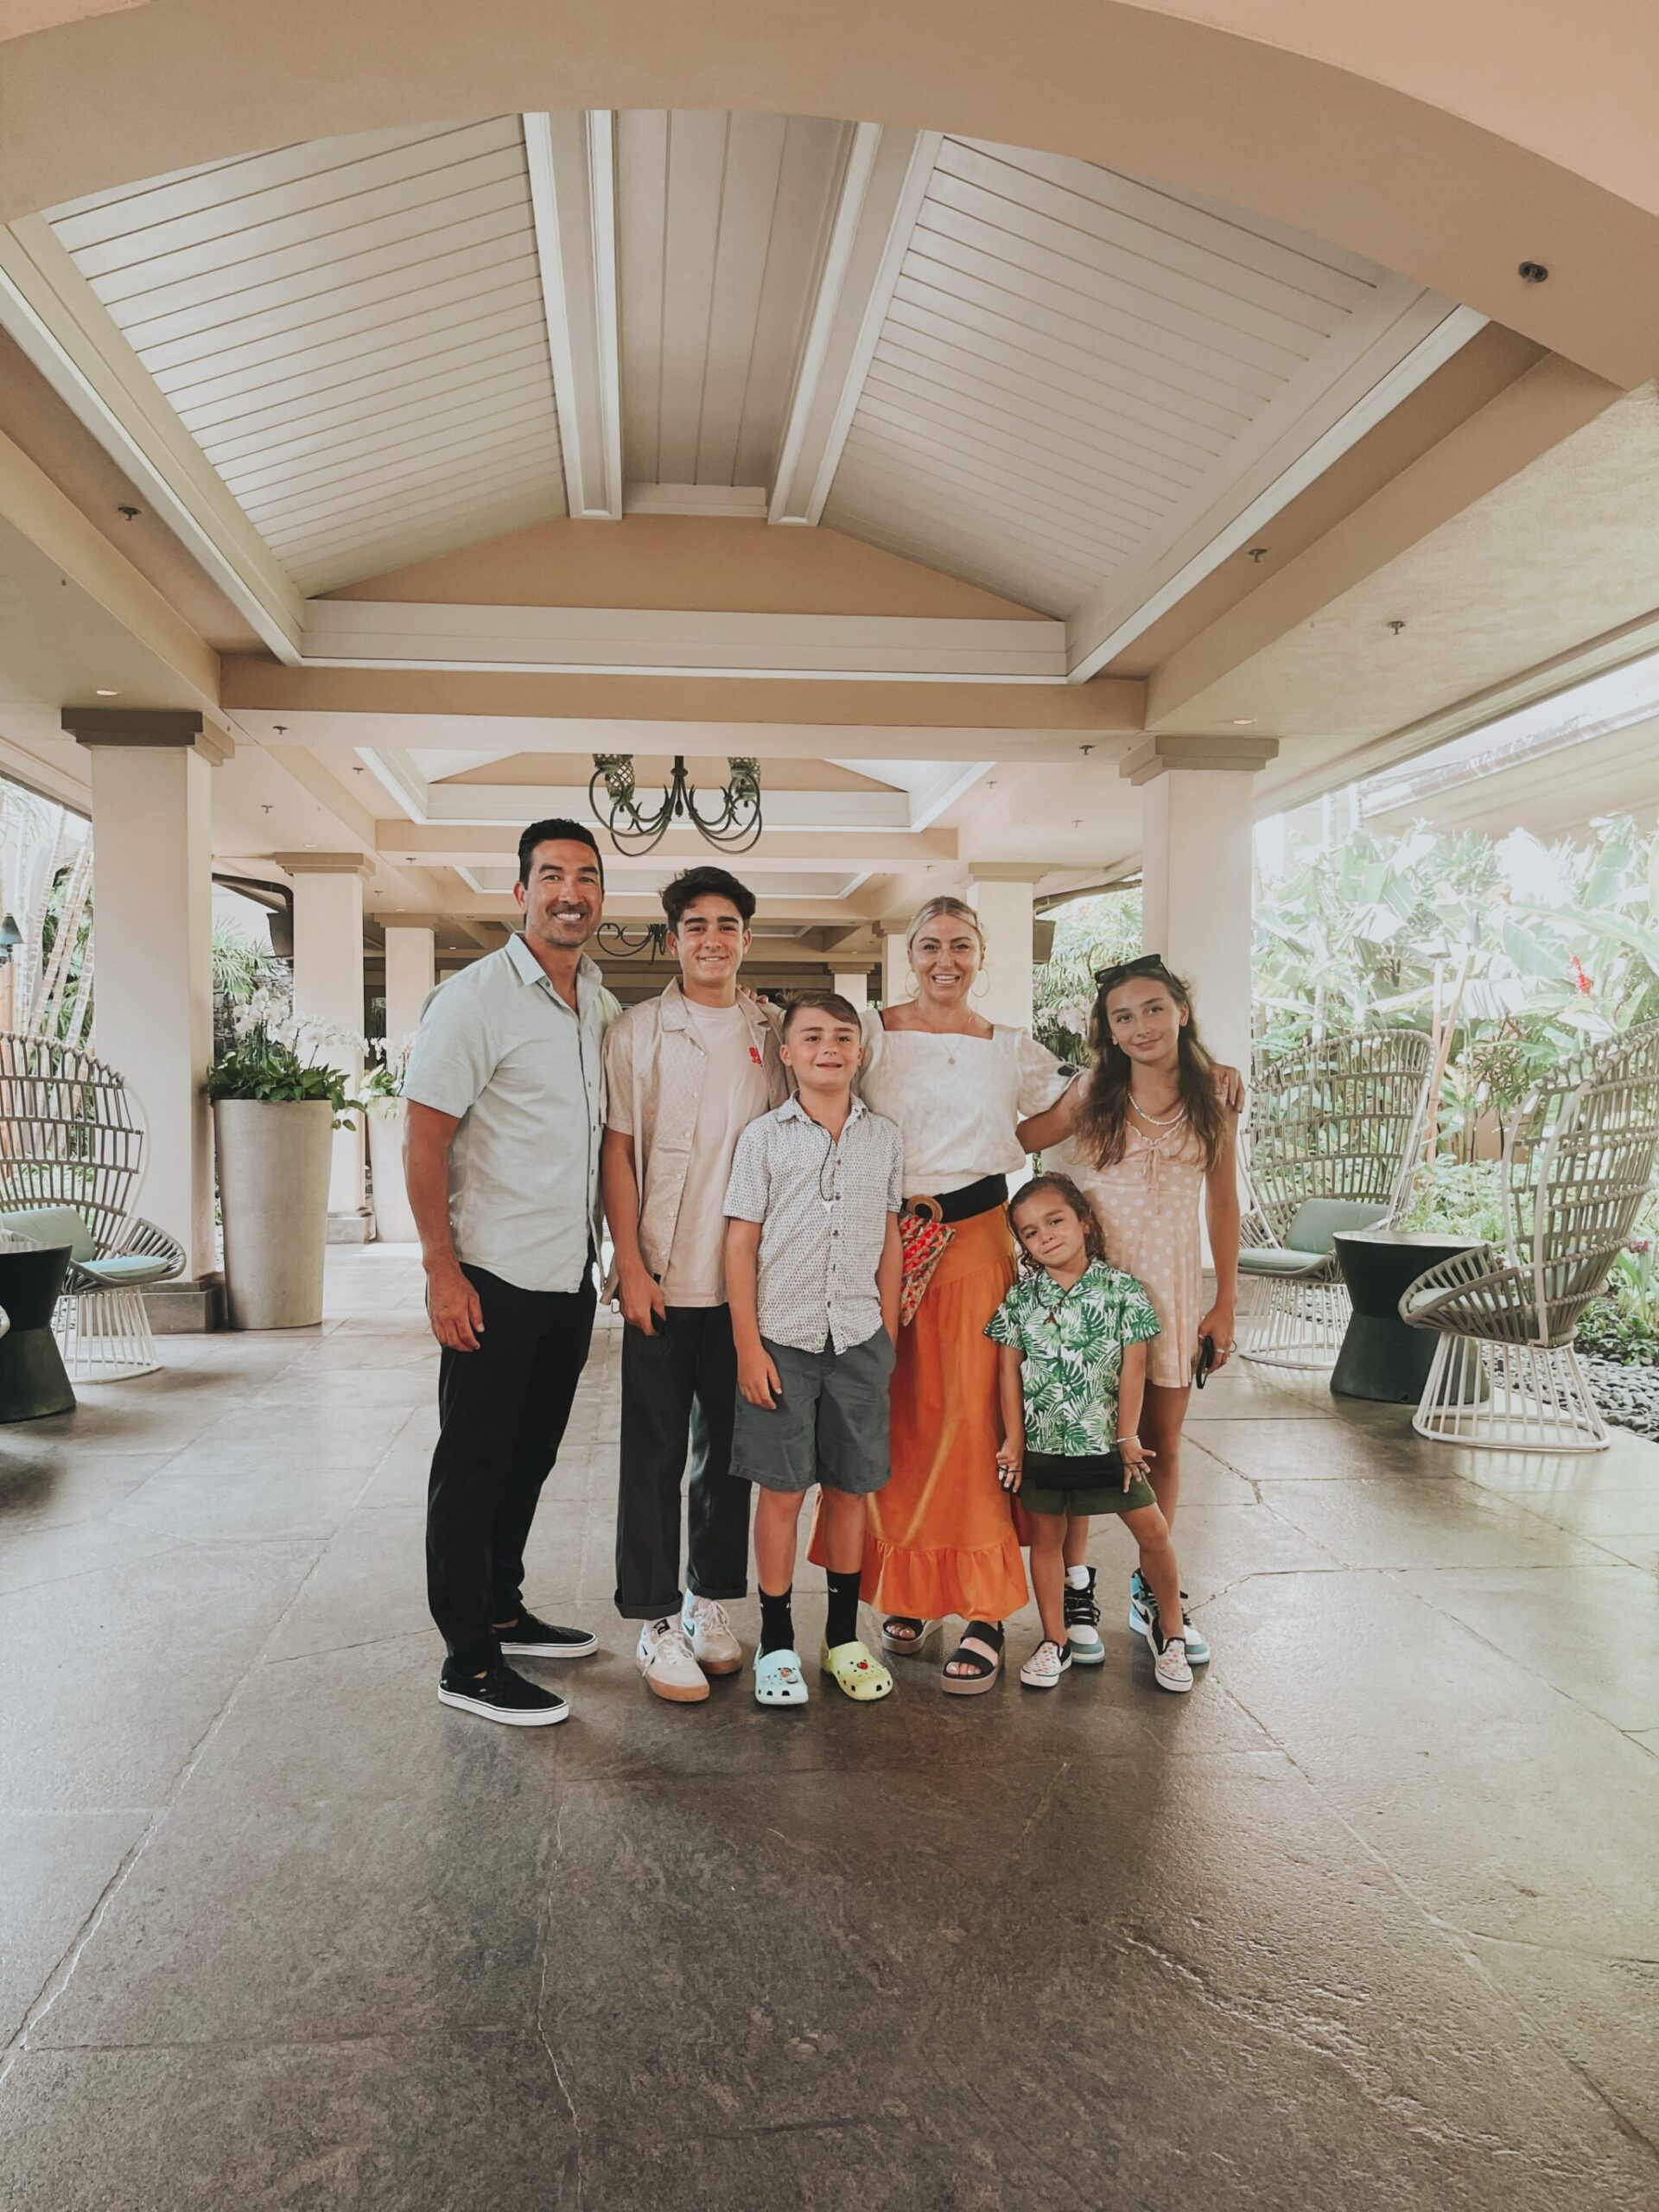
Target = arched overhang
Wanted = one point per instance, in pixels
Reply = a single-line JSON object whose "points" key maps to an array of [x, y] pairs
{"points": [[1450, 146]]}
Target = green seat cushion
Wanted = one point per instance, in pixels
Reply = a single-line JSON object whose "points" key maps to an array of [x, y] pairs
{"points": [[1278, 1259], [53, 1225], [1317, 1220], [134, 1268]]}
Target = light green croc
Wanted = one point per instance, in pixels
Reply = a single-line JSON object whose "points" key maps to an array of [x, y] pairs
{"points": [[778, 1679], [863, 1679]]}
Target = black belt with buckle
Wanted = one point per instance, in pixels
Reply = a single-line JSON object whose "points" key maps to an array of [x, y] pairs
{"points": [[974, 1199]]}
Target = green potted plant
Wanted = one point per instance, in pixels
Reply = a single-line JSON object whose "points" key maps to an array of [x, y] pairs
{"points": [[275, 1114], [382, 1102]]}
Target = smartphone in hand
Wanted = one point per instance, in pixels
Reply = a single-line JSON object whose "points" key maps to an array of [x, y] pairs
{"points": [[1206, 1361]]}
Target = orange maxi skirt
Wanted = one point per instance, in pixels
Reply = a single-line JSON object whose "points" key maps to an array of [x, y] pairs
{"points": [[941, 1537]]}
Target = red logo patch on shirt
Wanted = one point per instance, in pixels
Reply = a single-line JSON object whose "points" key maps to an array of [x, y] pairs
{"points": [[754, 1054]]}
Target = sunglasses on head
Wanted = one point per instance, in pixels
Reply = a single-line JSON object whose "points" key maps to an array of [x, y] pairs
{"points": [[1148, 964]]}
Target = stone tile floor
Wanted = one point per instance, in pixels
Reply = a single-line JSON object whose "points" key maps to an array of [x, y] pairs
{"points": [[1370, 1920]]}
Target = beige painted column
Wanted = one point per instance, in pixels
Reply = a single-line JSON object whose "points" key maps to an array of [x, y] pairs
{"points": [[895, 968], [852, 985], [411, 971], [328, 988], [1002, 898], [152, 914], [1195, 898]]}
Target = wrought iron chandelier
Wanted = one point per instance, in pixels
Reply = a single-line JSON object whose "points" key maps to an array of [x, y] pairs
{"points": [[634, 829], [625, 936]]}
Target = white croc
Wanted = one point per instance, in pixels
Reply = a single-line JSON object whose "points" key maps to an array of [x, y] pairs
{"points": [[668, 1664], [778, 1679], [707, 1628]]}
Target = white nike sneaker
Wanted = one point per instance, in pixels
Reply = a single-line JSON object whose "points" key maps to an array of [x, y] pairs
{"points": [[707, 1629], [668, 1664]]}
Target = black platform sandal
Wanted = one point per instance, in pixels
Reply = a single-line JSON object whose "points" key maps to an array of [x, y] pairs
{"points": [[904, 1637], [985, 1671]]}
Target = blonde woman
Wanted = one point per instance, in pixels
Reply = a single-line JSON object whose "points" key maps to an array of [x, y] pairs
{"points": [[942, 1537]]}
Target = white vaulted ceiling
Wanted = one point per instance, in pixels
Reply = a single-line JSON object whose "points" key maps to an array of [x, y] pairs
{"points": [[1074, 367], [354, 332], [1075, 389], [721, 224]]}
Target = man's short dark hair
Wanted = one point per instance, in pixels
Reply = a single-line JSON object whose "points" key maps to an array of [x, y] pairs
{"points": [[694, 883], [556, 831], [829, 1002]]}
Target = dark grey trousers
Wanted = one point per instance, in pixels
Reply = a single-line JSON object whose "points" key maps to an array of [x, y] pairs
{"points": [[679, 1387]]}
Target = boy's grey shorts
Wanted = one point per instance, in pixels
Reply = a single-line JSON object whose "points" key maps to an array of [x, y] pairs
{"points": [[830, 1425]]}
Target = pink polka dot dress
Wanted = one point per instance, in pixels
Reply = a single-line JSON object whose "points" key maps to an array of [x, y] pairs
{"points": [[1148, 1205]]}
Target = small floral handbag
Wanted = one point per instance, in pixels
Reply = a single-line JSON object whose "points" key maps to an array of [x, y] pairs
{"points": [[925, 1237]]}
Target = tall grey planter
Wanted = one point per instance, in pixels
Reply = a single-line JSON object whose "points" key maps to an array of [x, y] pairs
{"points": [[394, 1224], [273, 1188]]}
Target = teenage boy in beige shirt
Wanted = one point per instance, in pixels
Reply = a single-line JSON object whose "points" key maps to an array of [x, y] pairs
{"points": [[685, 1074]]}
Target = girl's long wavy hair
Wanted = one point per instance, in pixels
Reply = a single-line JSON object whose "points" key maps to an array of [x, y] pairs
{"points": [[1104, 1116], [1094, 1237]]}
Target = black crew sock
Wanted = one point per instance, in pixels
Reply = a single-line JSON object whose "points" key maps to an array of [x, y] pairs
{"points": [[841, 1624], [777, 1623]]}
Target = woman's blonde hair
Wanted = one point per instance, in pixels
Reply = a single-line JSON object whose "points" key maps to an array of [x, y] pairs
{"points": [[959, 910]]}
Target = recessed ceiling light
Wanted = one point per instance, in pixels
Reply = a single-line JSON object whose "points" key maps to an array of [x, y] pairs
{"points": [[310, 849], [1244, 721], [109, 695]]}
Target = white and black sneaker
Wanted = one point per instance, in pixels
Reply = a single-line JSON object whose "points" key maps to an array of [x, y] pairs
{"points": [[529, 1638], [499, 1695]]}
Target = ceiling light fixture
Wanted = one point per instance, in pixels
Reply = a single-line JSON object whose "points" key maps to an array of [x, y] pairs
{"points": [[109, 695], [736, 827], [1244, 721], [618, 936]]}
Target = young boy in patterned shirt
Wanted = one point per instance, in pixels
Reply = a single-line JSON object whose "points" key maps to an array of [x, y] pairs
{"points": [[1073, 1366], [812, 1268]]}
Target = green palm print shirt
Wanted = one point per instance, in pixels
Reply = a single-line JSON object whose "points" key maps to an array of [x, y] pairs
{"points": [[1073, 1342]]}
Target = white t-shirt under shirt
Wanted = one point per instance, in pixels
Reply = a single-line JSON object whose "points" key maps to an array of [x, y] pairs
{"points": [[733, 1094]]}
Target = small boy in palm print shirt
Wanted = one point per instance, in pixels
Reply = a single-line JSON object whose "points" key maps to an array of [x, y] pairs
{"points": [[1072, 1375]]}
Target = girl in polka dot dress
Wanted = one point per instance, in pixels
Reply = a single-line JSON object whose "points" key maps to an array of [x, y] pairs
{"points": [[1150, 1134]]}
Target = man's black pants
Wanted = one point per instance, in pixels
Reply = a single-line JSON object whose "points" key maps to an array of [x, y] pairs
{"points": [[503, 1410], [679, 1384]]}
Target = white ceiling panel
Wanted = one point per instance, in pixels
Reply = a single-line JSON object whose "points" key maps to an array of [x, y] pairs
{"points": [[721, 225], [1075, 368], [353, 331]]}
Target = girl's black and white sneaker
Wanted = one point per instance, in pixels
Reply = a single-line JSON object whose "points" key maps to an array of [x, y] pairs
{"points": [[1169, 1668], [529, 1638], [1083, 1622], [499, 1695], [1042, 1671]]}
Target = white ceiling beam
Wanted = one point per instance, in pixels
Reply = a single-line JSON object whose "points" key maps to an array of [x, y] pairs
{"points": [[60, 323], [431, 844], [572, 165], [600, 641], [1403, 355], [882, 188]]}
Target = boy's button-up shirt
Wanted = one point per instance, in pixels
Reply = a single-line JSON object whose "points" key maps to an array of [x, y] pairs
{"points": [[654, 1070], [520, 1069], [823, 1207]]}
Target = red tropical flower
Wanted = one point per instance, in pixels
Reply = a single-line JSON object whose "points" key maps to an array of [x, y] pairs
{"points": [[1579, 976]]}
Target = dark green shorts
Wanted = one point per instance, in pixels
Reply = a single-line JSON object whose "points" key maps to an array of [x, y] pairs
{"points": [[1100, 1490]]}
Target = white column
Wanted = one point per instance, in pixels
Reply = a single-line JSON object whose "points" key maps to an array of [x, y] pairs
{"points": [[328, 985], [152, 908], [854, 986], [1195, 898], [1004, 906], [411, 972], [895, 968]]}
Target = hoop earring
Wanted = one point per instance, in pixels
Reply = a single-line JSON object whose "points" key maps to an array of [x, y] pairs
{"points": [[980, 984], [914, 987]]}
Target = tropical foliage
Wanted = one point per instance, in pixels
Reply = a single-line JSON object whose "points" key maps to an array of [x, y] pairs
{"points": [[1523, 953], [261, 1065]]}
